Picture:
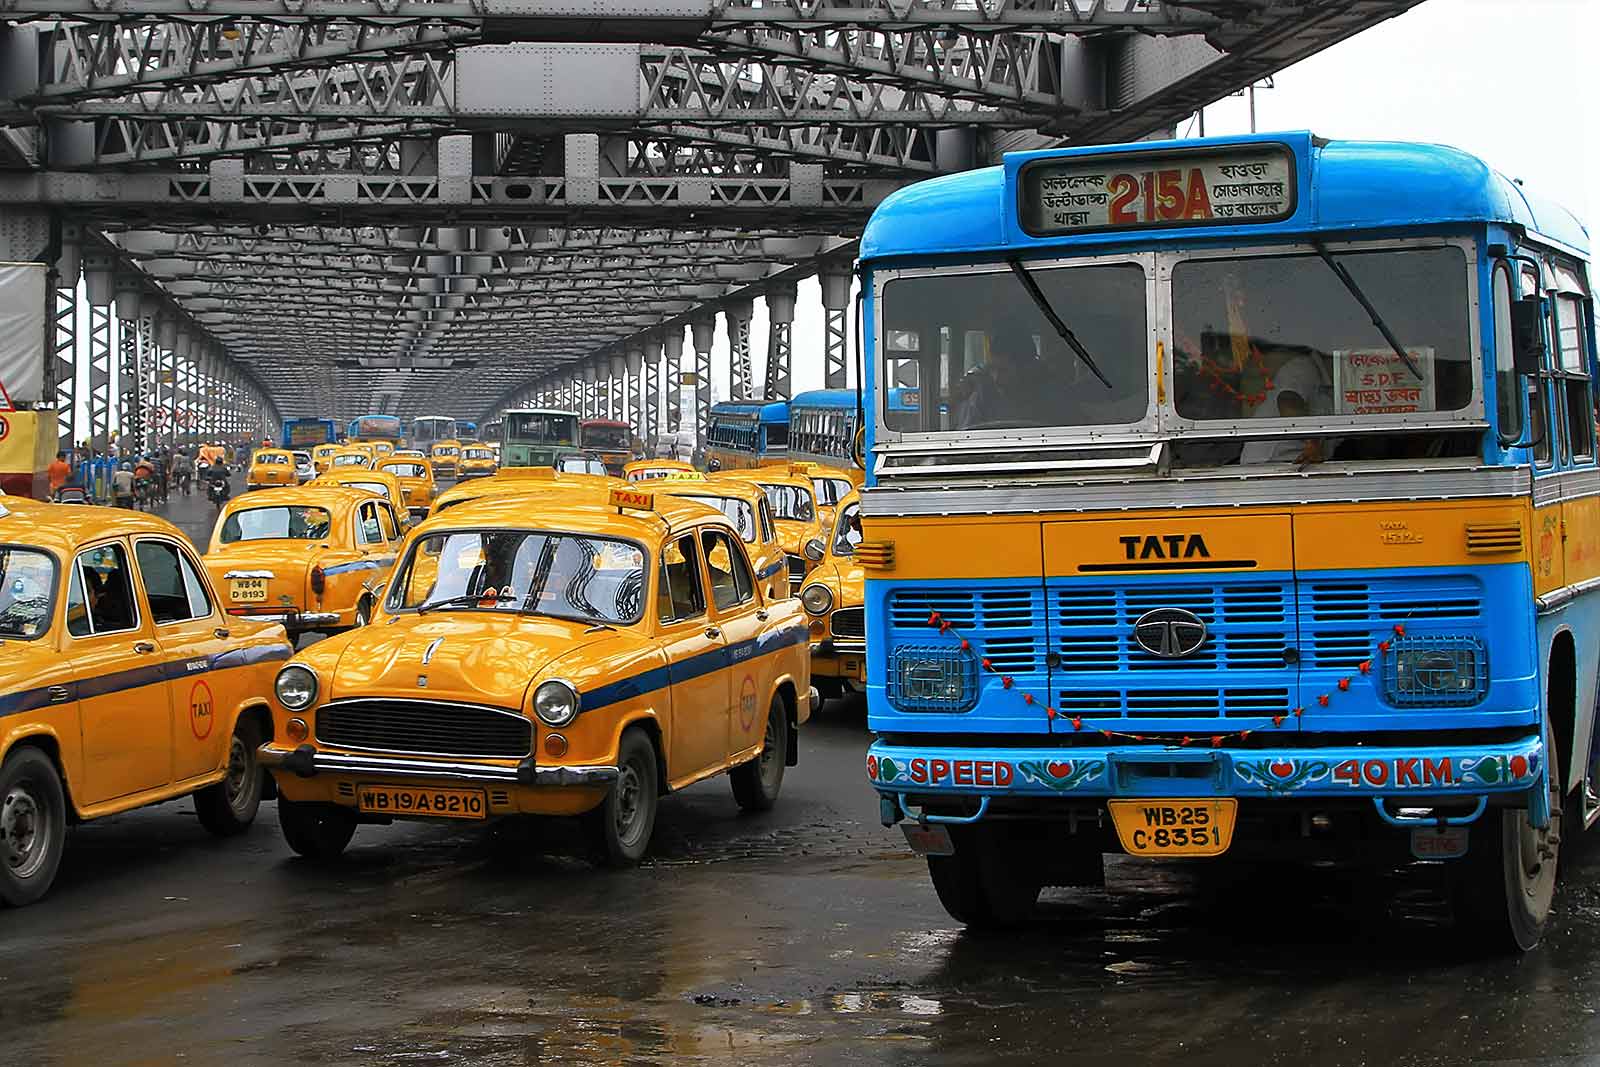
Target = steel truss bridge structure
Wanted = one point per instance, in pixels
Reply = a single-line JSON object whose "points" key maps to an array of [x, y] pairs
{"points": [[334, 207]]}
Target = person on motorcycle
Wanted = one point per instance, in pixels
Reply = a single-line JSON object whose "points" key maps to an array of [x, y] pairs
{"points": [[182, 470], [122, 486], [217, 488]]}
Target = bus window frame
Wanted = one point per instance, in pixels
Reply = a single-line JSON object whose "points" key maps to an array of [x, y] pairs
{"points": [[1161, 421]]}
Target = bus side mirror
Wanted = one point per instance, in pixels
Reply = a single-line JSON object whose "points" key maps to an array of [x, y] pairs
{"points": [[1527, 335]]}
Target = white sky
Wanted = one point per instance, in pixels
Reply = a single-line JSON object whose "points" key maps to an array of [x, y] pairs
{"points": [[1507, 80]]}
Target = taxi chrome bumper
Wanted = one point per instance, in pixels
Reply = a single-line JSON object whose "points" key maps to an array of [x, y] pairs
{"points": [[306, 762], [297, 619]]}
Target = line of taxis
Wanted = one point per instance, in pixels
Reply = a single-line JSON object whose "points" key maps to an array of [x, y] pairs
{"points": [[535, 642]]}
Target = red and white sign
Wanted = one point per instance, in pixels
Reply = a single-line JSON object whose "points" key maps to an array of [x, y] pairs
{"points": [[1252, 185], [1376, 381], [5, 427]]}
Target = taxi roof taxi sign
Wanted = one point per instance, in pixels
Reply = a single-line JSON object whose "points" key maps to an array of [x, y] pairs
{"points": [[682, 476], [632, 498]]}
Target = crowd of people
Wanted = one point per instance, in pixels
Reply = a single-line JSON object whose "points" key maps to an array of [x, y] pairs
{"points": [[142, 479]]}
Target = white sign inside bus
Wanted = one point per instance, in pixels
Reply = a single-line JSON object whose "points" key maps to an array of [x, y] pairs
{"points": [[1376, 381], [1134, 191]]}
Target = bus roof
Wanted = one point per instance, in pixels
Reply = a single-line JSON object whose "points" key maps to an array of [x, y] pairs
{"points": [[1359, 185], [764, 410], [825, 398]]}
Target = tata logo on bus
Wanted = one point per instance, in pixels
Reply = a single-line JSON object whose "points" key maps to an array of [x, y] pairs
{"points": [[1248, 185], [1164, 546]]}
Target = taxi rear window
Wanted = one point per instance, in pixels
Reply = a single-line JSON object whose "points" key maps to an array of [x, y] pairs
{"points": [[281, 523], [27, 592], [790, 503], [738, 511], [405, 470], [371, 487], [277, 457], [565, 575], [350, 461]]}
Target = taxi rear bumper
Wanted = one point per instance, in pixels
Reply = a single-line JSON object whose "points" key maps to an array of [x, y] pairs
{"points": [[306, 762]]}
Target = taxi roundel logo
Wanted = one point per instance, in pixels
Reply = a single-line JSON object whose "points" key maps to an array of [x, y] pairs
{"points": [[747, 703], [202, 710]]}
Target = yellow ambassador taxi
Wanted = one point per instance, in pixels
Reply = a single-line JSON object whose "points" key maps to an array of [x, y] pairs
{"points": [[745, 506], [476, 461], [830, 485], [444, 455], [124, 684], [526, 483], [415, 475], [649, 470], [834, 597], [312, 558], [582, 661], [794, 509], [270, 467], [322, 457], [356, 455], [379, 481]]}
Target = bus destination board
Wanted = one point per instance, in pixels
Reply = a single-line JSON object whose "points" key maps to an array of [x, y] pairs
{"points": [[1139, 190]]}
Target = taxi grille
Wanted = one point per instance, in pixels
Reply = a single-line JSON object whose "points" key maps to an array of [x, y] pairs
{"points": [[797, 572], [425, 727], [850, 622]]}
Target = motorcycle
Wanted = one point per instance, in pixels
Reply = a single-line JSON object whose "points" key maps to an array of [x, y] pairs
{"points": [[217, 493], [144, 492]]}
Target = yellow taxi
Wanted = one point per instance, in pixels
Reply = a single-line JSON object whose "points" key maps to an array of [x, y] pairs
{"points": [[444, 455], [415, 475], [830, 485], [833, 595], [794, 509], [476, 460], [124, 684], [523, 482], [380, 481], [322, 457], [746, 508], [648, 470], [312, 558], [270, 467], [581, 662], [356, 455], [381, 449]]}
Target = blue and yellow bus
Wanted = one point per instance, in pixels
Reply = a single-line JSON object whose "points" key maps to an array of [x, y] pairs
{"points": [[375, 429], [747, 433], [302, 435], [1249, 506]]}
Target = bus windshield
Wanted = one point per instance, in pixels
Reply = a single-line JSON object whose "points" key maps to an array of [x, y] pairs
{"points": [[610, 438], [541, 427]]}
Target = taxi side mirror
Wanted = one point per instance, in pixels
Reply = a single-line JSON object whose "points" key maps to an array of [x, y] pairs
{"points": [[814, 550]]}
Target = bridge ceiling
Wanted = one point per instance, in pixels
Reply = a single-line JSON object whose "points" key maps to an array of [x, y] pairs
{"points": [[378, 199]]}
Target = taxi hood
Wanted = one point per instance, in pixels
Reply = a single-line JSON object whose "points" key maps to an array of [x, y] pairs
{"points": [[474, 657]]}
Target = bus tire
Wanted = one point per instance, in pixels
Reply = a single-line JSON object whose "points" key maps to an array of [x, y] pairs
{"points": [[977, 887], [1505, 885]]}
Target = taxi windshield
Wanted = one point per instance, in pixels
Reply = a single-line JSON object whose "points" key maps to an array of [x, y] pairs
{"points": [[350, 461], [831, 490], [738, 511], [280, 523], [790, 503], [479, 453], [565, 575], [27, 592], [371, 487], [272, 457], [406, 470], [848, 534]]}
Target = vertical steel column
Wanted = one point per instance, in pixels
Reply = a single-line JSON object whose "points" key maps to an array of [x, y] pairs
{"points": [[652, 392], [99, 285], [589, 399], [61, 366], [703, 331], [835, 281], [674, 353], [738, 314], [780, 320], [635, 379], [619, 387], [130, 412]]}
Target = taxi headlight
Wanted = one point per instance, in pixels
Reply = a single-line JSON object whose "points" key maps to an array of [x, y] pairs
{"points": [[817, 599], [296, 687], [556, 703]]}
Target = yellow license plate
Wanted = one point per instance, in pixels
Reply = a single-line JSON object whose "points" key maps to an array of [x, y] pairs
{"points": [[434, 803], [247, 590], [1174, 827]]}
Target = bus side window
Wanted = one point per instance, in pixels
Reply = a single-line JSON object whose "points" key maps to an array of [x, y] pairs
{"points": [[1543, 431], [1572, 369]]}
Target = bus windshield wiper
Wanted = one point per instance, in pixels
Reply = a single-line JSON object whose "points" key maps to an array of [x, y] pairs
{"points": [[1361, 298], [1049, 313]]}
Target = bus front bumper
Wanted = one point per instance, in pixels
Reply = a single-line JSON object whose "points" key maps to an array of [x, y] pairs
{"points": [[910, 778]]}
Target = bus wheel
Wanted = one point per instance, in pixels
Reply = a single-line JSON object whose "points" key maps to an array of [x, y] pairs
{"points": [[1507, 881], [978, 887]]}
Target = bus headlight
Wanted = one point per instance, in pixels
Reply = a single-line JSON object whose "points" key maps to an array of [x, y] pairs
{"points": [[817, 599], [296, 687], [556, 703], [1436, 670], [932, 678]]}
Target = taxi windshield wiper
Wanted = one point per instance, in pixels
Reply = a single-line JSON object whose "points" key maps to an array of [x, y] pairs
{"points": [[464, 600], [1343, 275], [1061, 328]]}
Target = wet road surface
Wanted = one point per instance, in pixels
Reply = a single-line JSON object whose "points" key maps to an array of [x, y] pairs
{"points": [[807, 935]]}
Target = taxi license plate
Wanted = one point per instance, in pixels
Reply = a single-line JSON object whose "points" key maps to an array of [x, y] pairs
{"points": [[436, 803], [247, 590], [1174, 827]]}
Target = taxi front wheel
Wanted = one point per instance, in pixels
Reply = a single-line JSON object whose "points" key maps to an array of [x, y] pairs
{"points": [[229, 807], [622, 826], [756, 784], [33, 826], [315, 831]]}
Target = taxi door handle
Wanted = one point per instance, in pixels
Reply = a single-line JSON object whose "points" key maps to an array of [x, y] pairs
{"points": [[221, 632], [761, 616], [58, 694], [144, 648], [712, 631]]}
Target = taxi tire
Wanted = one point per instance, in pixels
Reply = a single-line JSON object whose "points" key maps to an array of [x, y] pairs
{"points": [[315, 831], [226, 815], [638, 783], [756, 784], [31, 770]]}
